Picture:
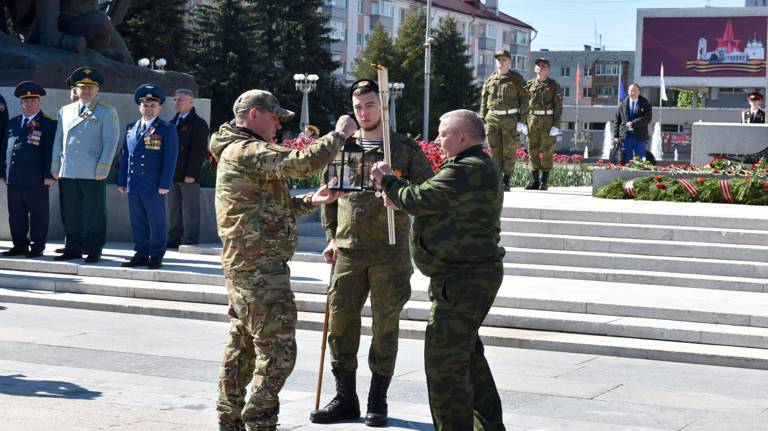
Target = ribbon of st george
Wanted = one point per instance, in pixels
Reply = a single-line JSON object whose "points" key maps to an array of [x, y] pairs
{"points": [[384, 95]]}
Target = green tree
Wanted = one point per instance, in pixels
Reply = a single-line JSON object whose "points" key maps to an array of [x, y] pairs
{"points": [[685, 99], [453, 85], [225, 59], [155, 29], [378, 50], [409, 51]]}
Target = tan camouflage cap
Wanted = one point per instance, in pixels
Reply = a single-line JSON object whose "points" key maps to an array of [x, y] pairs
{"points": [[504, 53], [261, 99]]}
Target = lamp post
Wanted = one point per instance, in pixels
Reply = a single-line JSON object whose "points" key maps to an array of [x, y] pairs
{"points": [[153, 64], [306, 84], [395, 92]]}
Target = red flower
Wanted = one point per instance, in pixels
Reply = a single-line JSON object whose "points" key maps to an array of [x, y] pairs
{"points": [[700, 180], [657, 178], [765, 185], [661, 186]]}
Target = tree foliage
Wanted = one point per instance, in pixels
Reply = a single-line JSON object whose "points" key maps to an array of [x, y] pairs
{"points": [[378, 50], [409, 51], [154, 29]]}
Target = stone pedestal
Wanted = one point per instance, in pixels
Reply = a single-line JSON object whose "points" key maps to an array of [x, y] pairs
{"points": [[731, 138]]}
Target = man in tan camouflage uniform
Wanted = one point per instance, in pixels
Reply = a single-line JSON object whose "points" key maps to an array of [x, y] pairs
{"points": [[504, 108], [546, 106], [256, 217], [356, 228]]}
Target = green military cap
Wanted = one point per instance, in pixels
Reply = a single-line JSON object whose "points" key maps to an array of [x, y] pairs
{"points": [[261, 99], [541, 62], [86, 76], [504, 53]]}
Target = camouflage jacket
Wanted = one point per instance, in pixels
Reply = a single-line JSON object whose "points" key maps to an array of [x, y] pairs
{"points": [[457, 213], [504, 92], [255, 212], [359, 220], [545, 96]]}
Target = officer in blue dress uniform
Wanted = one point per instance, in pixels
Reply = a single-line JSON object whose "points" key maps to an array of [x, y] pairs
{"points": [[147, 164], [25, 160]]}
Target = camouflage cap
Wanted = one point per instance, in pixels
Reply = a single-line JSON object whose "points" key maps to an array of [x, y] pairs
{"points": [[541, 62], [261, 99], [504, 53]]}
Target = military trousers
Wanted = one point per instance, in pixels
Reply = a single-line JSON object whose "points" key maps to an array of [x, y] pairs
{"points": [[147, 212], [503, 139], [462, 392], [261, 351], [541, 146], [28, 215], [386, 274], [84, 214]]}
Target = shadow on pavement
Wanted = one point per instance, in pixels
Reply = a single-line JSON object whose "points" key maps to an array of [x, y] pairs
{"points": [[410, 425], [17, 385], [3, 308]]}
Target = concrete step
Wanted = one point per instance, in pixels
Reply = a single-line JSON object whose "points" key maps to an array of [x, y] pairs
{"points": [[618, 261], [710, 354], [636, 231], [626, 246]]}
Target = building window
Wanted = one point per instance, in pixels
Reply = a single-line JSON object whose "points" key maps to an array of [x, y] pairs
{"points": [[522, 38], [385, 8], [566, 91], [606, 91], [588, 71], [594, 126], [486, 57], [336, 3], [360, 39], [607, 69], [565, 71], [520, 62], [338, 30], [487, 30], [337, 58], [403, 12], [586, 92], [508, 37], [374, 8], [361, 7]]}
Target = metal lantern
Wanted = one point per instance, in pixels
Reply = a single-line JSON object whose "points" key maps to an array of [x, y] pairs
{"points": [[348, 172]]}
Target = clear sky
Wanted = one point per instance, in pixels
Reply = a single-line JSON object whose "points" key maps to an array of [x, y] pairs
{"points": [[570, 24]]}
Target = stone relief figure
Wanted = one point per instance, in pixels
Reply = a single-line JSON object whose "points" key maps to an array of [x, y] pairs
{"points": [[73, 25]]}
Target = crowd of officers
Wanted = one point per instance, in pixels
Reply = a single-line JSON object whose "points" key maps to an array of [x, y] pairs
{"points": [[76, 149]]}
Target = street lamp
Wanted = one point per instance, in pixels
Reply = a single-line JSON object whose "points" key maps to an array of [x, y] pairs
{"points": [[395, 92], [153, 64], [306, 84]]}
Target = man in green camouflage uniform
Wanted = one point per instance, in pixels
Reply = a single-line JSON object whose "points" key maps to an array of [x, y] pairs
{"points": [[256, 217], [504, 107], [546, 106], [356, 228], [455, 241]]}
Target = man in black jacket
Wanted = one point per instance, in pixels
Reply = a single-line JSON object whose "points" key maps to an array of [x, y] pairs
{"points": [[631, 124], [184, 198]]}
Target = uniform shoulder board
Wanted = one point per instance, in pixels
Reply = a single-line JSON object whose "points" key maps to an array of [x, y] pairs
{"points": [[50, 117], [105, 104]]}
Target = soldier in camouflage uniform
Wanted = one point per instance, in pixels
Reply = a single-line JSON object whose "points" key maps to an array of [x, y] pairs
{"points": [[256, 217], [356, 228], [504, 107], [455, 241], [546, 106]]}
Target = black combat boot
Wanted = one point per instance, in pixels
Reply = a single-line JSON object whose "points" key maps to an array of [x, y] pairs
{"points": [[534, 184], [344, 406], [506, 182], [544, 179], [377, 401]]}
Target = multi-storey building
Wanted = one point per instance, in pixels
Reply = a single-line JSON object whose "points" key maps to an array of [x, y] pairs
{"points": [[600, 70], [485, 29]]}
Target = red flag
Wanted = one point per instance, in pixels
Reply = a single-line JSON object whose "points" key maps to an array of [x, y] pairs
{"points": [[578, 78]]}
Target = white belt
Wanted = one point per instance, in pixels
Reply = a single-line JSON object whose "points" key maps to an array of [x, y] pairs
{"points": [[507, 112], [549, 112]]}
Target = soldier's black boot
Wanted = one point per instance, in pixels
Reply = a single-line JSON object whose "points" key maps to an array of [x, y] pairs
{"points": [[534, 184], [544, 179], [506, 182], [344, 406], [377, 401]]}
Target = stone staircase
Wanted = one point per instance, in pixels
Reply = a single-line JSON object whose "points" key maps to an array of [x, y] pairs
{"points": [[655, 280]]}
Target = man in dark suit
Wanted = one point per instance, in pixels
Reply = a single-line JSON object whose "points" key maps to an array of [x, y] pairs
{"points": [[147, 161], [25, 160], [753, 115], [630, 127], [184, 198]]}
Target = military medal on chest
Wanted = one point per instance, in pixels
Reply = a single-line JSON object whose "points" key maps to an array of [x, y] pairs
{"points": [[33, 134], [152, 141]]}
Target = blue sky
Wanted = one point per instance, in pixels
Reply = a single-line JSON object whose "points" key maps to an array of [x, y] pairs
{"points": [[570, 24]]}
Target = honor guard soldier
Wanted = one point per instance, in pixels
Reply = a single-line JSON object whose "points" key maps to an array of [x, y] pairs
{"points": [[147, 163], [86, 139], [753, 115], [25, 160], [504, 108], [365, 263], [546, 106]]}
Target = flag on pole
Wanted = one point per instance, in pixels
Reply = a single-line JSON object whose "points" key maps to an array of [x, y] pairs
{"points": [[663, 87], [622, 93], [578, 79]]}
